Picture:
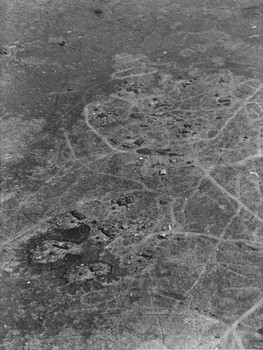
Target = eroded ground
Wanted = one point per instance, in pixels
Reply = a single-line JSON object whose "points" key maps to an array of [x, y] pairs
{"points": [[131, 162]]}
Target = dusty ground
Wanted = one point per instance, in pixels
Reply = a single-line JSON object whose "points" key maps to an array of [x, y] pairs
{"points": [[131, 163]]}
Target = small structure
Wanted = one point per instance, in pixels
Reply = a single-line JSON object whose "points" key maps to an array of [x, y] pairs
{"points": [[163, 172]]}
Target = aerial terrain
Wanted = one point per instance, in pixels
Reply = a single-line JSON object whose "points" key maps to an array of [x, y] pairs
{"points": [[131, 174]]}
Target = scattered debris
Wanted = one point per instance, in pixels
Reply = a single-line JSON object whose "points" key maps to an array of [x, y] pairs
{"points": [[51, 251], [123, 201]]}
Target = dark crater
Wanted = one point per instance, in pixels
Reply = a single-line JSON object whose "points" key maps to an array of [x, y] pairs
{"points": [[70, 256], [76, 235]]}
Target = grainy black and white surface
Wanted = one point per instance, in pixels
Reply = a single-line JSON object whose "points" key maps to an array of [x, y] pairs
{"points": [[131, 172]]}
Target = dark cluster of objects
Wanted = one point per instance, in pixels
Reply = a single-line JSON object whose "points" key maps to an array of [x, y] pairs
{"points": [[123, 201], [3, 51], [70, 249]]}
